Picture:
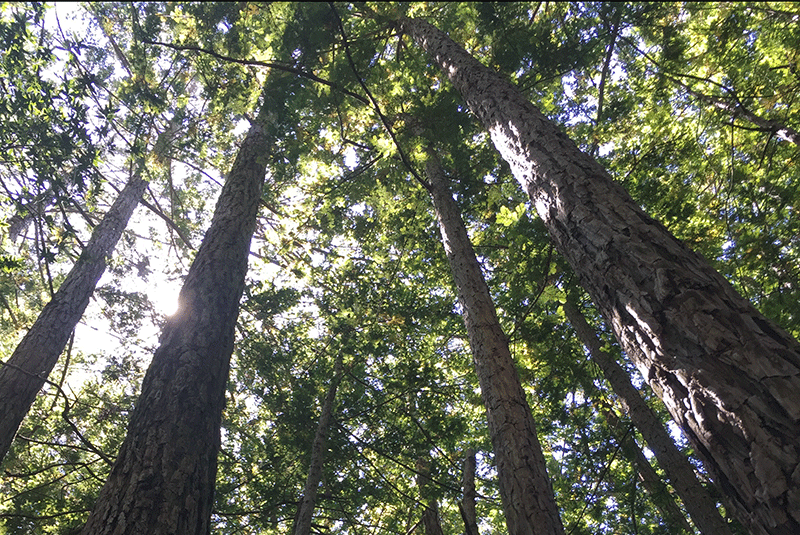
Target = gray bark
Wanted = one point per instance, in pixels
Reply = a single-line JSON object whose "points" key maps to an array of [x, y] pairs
{"points": [[701, 508], [24, 374], [728, 376], [305, 511], [163, 479], [525, 488]]}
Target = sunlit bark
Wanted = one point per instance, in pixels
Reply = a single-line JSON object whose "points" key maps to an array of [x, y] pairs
{"points": [[728, 376], [696, 500]]}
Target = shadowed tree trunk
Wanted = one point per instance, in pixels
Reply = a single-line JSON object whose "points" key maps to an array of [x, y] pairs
{"points": [[24, 374], [728, 376], [163, 479], [467, 505], [430, 516], [525, 488], [305, 511], [679, 470]]}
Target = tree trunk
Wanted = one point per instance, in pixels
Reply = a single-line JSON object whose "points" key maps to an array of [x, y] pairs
{"points": [[467, 505], [696, 499], [728, 376], [24, 374], [305, 511], [525, 489], [163, 479], [430, 516]]}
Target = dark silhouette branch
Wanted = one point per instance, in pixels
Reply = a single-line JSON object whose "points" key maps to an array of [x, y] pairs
{"points": [[731, 103], [257, 63], [376, 107]]}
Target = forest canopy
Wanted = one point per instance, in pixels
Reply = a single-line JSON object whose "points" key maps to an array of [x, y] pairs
{"points": [[348, 304]]}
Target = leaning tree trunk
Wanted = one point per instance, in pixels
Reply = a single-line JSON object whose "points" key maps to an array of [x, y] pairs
{"points": [[305, 511], [679, 470], [728, 376], [24, 374], [526, 492], [163, 479]]}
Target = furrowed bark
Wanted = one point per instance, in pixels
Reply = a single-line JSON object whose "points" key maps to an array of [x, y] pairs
{"points": [[163, 479], [525, 488], [701, 508], [24, 374], [728, 376]]}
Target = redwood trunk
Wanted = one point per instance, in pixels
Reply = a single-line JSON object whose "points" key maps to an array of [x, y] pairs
{"points": [[23, 375], [525, 489], [701, 508], [163, 479], [728, 376]]}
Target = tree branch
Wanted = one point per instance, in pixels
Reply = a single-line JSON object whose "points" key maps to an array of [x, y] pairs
{"points": [[374, 102], [253, 62]]}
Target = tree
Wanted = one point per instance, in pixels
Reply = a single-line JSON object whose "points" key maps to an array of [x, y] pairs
{"points": [[347, 240], [163, 479], [305, 510], [724, 371], [528, 499], [26, 371], [698, 502]]}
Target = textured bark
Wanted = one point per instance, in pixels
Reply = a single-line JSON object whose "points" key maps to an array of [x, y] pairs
{"points": [[163, 479], [467, 505], [23, 375], [701, 508], [728, 376], [305, 511], [525, 488]]}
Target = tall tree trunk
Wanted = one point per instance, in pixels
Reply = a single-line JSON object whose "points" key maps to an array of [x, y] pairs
{"points": [[163, 479], [728, 376], [679, 470], [305, 511], [24, 374], [467, 505], [526, 492]]}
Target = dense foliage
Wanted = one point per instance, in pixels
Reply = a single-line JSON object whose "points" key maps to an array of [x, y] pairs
{"points": [[683, 103]]}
